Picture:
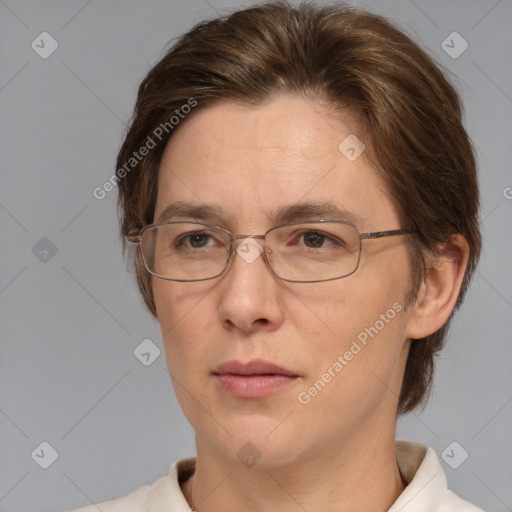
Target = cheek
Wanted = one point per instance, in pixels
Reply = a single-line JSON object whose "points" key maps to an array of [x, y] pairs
{"points": [[357, 371], [183, 315], [354, 334], [338, 311], [185, 324], [366, 331]]}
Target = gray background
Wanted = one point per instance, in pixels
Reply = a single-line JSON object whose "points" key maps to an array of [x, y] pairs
{"points": [[70, 324]]}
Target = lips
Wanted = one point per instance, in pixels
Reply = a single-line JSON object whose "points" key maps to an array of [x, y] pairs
{"points": [[254, 379], [255, 367]]}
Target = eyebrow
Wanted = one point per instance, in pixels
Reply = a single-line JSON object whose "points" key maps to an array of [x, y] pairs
{"points": [[314, 211], [283, 214], [189, 210]]}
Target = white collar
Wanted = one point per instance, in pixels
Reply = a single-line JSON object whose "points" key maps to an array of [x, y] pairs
{"points": [[420, 467]]}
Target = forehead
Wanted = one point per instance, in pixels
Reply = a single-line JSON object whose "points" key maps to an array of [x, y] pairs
{"points": [[252, 161]]}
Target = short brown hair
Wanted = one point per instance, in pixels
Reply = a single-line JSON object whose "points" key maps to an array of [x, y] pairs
{"points": [[344, 58]]}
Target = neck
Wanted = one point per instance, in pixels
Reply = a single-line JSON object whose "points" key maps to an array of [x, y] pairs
{"points": [[354, 477]]}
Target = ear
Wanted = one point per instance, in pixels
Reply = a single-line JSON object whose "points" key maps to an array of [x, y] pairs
{"points": [[438, 293]]}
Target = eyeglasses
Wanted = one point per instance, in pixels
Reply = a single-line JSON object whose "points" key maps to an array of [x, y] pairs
{"points": [[301, 252]]}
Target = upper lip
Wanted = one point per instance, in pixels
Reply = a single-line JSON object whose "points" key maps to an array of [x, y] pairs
{"points": [[255, 367]]}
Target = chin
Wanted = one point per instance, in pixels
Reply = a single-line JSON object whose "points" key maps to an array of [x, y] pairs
{"points": [[255, 441]]}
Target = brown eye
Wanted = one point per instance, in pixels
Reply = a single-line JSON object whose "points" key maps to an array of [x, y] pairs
{"points": [[198, 240], [314, 239]]}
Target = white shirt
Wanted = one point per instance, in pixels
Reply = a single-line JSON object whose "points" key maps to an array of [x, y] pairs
{"points": [[426, 489]]}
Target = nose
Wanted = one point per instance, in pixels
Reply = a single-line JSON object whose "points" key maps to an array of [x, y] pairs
{"points": [[250, 300]]}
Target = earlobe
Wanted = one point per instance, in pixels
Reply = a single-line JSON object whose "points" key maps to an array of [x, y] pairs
{"points": [[440, 289]]}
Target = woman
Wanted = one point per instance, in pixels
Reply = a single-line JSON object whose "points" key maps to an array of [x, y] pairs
{"points": [[304, 199]]}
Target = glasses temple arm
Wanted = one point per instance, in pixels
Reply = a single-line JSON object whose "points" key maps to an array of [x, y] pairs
{"points": [[381, 234]]}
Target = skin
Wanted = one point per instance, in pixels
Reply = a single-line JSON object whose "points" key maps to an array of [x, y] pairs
{"points": [[337, 451]]}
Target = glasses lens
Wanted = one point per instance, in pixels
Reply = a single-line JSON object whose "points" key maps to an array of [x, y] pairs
{"points": [[185, 251], [316, 251]]}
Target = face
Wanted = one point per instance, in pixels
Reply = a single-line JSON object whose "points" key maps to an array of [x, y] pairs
{"points": [[340, 345]]}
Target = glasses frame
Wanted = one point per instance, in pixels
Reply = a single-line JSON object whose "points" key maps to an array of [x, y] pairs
{"points": [[136, 238]]}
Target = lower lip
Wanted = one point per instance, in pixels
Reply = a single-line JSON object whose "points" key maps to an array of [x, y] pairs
{"points": [[253, 386]]}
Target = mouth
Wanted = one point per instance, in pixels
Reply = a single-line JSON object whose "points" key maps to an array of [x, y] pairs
{"points": [[254, 379]]}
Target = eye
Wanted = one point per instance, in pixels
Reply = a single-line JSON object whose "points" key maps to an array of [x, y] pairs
{"points": [[313, 239], [196, 240], [318, 239]]}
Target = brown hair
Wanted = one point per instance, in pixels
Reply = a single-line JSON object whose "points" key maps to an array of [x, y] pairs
{"points": [[345, 58]]}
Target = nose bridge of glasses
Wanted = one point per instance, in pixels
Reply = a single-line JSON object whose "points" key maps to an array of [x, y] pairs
{"points": [[239, 237], [248, 248], [239, 240]]}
